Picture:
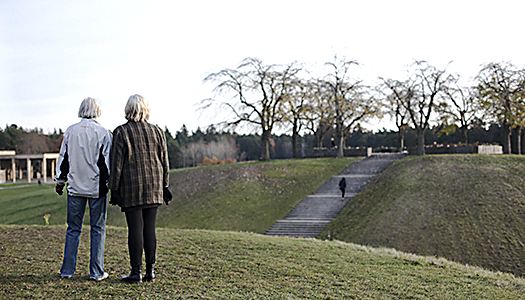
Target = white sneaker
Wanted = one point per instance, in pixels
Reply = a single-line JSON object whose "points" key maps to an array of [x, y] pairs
{"points": [[106, 275]]}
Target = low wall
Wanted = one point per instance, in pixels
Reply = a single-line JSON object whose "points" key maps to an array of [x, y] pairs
{"points": [[490, 149], [480, 149], [347, 152]]}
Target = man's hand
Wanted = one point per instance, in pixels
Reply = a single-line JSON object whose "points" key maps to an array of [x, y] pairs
{"points": [[59, 188], [167, 196]]}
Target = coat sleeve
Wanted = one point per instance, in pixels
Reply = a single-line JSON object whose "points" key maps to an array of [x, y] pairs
{"points": [[108, 140], [103, 163], [62, 167], [164, 160], [116, 160]]}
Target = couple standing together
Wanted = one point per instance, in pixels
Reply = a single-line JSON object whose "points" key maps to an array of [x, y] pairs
{"points": [[133, 163]]}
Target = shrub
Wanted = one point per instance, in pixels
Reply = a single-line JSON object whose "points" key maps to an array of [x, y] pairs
{"points": [[214, 161]]}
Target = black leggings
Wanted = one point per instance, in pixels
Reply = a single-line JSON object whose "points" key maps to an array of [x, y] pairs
{"points": [[141, 235]]}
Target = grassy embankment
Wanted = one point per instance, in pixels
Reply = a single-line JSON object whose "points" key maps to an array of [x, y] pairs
{"points": [[195, 264], [239, 197], [467, 208]]}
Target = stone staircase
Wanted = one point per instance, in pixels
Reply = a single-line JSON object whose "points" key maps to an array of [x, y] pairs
{"points": [[315, 211]]}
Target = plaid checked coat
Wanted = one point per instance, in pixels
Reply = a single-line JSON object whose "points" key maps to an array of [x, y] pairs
{"points": [[139, 168]]}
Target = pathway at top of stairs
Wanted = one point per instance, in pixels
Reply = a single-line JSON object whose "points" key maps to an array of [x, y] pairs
{"points": [[315, 211]]}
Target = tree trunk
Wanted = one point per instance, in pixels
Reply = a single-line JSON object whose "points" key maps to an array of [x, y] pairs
{"points": [[464, 134], [265, 145], [340, 148], [519, 140], [420, 142], [320, 133], [401, 138], [340, 139], [507, 147], [295, 134]]}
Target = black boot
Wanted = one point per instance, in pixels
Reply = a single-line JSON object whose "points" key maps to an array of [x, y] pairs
{"points": [[150, 273], [134, 276]]}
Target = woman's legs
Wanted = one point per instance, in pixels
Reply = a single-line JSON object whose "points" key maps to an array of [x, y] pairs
{"points": [[141, 235], [149, 216], [135, 239]]}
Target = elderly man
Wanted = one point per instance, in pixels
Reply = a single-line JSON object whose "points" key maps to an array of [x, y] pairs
{"points": [[83, 163]]}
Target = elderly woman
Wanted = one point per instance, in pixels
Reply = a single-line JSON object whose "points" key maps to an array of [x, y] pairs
{"points": [[139, 176], [83, 163]]}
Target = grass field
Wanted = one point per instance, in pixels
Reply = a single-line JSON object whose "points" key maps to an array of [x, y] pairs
{"points": [[26, 205], [463, 208], [244, 197], [195, 264], [239, 197], [467, 208]]}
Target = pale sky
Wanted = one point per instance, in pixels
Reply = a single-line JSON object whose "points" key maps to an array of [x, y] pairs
{"points": [[55, 53]]}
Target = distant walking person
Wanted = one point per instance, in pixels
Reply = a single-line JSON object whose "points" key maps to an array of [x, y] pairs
{"points": [[83, 163], [139, 183], [342, 187]]}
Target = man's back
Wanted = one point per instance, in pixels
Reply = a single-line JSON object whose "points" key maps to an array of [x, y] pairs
{"points": [[84, 152]]}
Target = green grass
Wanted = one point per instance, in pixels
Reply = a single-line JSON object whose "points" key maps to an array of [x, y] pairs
{"points": [[195, 264], [242, 197], [238, 197], [16, 184], [463, 208], [467, 208], [26, 205]]}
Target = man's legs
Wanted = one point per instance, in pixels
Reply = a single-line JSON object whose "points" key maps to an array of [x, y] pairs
{"points": [[98, 214], [75, 216]]}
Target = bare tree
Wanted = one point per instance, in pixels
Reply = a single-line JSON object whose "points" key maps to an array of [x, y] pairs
{"points": [[518, 112], [223, 147], [397, 95], [319, 111], [461, 107], [350, 103], [32, 142], [430, 83], [296, 108], [258, 91], [498, 85]]}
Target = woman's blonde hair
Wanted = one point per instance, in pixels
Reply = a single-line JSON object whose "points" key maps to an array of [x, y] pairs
{"points": [[89, 108], [137, 109]]}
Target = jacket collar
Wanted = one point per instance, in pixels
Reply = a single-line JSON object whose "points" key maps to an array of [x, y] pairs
{"points": [[91, 120]]}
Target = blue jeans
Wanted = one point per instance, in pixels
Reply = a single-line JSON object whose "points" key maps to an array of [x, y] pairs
{"points": [[76, 207]]}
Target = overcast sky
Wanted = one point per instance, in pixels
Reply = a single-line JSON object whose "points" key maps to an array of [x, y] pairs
{"points": [[55, 53]]}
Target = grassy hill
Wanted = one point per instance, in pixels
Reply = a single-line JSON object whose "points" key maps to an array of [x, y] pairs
{"points": [[467, 208], [238, 197], [196, 264]]}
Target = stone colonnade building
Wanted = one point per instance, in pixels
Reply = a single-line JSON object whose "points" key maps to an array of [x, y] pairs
{"points": [[27, 167]]}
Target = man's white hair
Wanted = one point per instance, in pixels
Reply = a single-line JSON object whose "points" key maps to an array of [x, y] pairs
{"points": [[89, 108], [137, 109]]}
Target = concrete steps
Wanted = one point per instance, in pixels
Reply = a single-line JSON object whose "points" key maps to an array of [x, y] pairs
{"points": [[315, 211]]}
